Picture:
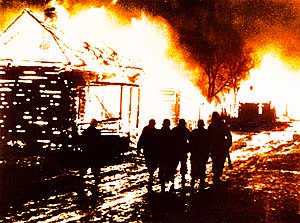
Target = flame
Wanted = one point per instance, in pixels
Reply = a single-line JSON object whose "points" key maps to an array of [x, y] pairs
{"points": [[273, 81], [108, 42], [142, 41], [148, 42]]}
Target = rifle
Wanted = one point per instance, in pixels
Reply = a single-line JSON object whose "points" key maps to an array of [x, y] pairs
{"points": [[229, 143], [229, 160]]}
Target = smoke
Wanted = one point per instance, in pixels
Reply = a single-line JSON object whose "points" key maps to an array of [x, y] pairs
{"points": [[264, 23], [259, 23]]}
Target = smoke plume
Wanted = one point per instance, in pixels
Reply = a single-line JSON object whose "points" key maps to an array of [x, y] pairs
{"points": [[259, 23]]}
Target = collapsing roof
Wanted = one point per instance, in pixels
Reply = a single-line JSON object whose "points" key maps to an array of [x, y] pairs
{"points": [[31, 41]]}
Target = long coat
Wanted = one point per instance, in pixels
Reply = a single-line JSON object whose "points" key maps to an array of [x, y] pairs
{"points": [[181, 136], [92, 151], [200, 148], [220, 139], [148, 141]]}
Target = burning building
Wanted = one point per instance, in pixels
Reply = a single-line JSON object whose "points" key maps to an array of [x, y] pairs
{"points": [[51, 86], [257, 112]]}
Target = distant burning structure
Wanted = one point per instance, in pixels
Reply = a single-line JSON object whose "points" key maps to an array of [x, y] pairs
{"points": [[257, 112], [255, 117]]}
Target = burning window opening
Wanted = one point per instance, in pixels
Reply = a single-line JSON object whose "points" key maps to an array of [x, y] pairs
{"points": [[114, 105]]}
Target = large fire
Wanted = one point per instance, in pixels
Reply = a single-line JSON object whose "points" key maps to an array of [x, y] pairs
{"points": [[149, 43], [273, 81], [143, 42]]}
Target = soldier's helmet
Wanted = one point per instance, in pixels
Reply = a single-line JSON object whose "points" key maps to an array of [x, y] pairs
{"points": [[93, 122], [200, 123], [181, 122], [166, 123]]}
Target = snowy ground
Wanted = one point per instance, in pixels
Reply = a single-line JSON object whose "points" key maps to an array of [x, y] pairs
{"points": [[264, 186]]}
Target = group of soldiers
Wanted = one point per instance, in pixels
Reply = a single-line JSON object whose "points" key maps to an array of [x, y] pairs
{"points": [[166, 148]]}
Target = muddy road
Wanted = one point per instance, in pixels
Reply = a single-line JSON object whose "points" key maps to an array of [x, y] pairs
{"points": [[263, 186]]}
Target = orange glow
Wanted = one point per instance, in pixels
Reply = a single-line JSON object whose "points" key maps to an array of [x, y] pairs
{"points": [[100, 40], [143, 42], [273, 81]]}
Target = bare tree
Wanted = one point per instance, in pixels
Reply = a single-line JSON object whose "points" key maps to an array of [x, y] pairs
{"points": [[218, 48], [239, 68], [222, 58]]}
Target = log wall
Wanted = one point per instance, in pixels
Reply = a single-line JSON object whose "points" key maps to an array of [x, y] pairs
{"points": [[38, 107]]}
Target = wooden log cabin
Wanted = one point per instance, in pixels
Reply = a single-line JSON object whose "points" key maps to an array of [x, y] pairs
{"points": [[45, 86]]}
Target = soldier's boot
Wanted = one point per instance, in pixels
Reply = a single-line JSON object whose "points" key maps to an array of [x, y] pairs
{"points": [[202, 183], [150, 182], [193, 183], [183, 180], [163, 187]]}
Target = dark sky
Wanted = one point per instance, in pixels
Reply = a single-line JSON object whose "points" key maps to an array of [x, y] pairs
{"points": [[258, 22]]}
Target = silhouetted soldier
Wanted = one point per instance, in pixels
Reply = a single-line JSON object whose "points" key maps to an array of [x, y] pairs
{"points": [[91, 149], [220, 140], [200, 147], [148, 141], [181, 135], [166, 155]]}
